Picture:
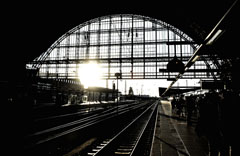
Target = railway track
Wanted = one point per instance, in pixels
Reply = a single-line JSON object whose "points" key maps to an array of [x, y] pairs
{"points": [[59, 116], [56, 132], [133, 139]]}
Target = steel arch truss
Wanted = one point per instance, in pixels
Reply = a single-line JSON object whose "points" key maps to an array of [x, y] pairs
{"points": [[137, 46]]}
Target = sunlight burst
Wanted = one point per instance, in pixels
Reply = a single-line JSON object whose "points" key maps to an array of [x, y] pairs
{"points": [[90, 74]]}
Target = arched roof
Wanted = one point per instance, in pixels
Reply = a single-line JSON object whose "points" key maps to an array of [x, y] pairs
{"points": [[49, 21], [138, 46], [175, 30], [30, 28]]}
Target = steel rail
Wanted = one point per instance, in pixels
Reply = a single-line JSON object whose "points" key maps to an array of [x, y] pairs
{"points": [[61, 130], [107, 144]]}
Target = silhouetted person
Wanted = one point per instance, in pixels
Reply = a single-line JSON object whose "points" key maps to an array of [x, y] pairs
{"points": [[173, 103], [190, 102], [179, 106], [228, 105], [209, 122]]}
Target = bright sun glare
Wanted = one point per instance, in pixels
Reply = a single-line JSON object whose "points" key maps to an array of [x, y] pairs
{"points": [[90, 74]]}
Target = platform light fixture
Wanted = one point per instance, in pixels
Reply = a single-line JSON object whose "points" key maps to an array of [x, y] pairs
{"points": [[195, 58], [215, 37], [186, 68]]}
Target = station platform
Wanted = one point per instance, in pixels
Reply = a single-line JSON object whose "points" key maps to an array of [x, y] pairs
{"points": [[173, 137]]}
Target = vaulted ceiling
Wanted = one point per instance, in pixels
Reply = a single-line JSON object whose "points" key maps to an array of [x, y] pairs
{"points": [[32, 27]]}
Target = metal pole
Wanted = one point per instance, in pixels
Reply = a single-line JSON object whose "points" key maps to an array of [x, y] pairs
{"points": [[117, 95], [118, 75], [195, 55]]}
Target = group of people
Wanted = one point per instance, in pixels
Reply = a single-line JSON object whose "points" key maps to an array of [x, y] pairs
{"points": [[184, 107], [216, 114]]}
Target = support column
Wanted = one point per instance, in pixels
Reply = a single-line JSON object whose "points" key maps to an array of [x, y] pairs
{"points": [[132, 50], [144, 65], [109, 47]]}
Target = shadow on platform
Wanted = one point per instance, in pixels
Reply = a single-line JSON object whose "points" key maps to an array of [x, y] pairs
{"points": [[173, 137]]}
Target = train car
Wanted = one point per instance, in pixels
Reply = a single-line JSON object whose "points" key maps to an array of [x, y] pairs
{"points": [[99, 94]]}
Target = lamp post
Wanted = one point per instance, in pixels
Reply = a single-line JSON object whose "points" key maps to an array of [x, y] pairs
{"points": [[118, 76]]}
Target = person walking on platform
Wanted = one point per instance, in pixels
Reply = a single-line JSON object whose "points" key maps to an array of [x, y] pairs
{"points": [[173, 104], [190, 103], [179, 106]]}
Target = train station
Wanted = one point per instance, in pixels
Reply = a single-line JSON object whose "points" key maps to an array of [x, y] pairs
{"points": [[132, 79]]}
